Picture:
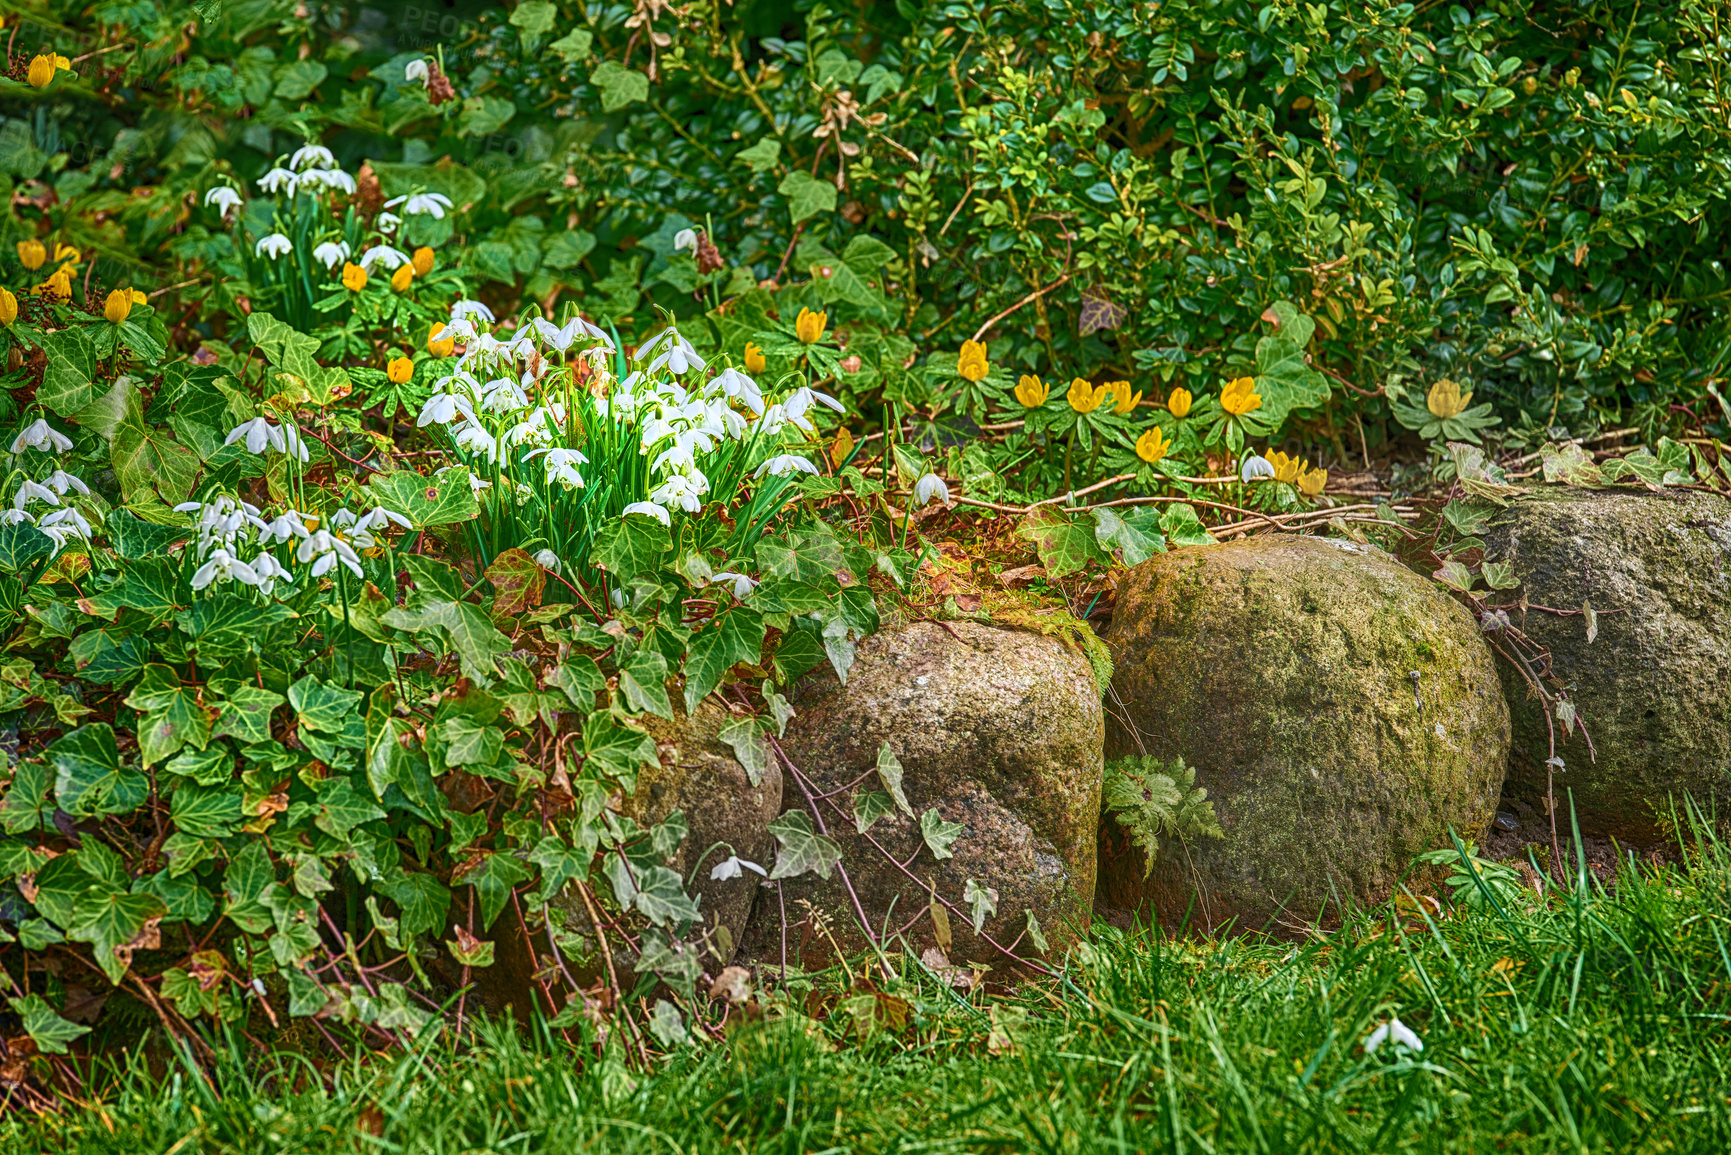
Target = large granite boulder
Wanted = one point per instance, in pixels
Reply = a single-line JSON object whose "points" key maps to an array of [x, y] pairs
{"points": [[997, 729], [1340, 710], [1653, 683]]}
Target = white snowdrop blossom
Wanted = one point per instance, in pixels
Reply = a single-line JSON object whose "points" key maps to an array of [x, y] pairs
{"points": [[680, 357], [785, 464], [278, 180], [383, 255], [472, 436], [1396, 1032], [742, 585], [415, 70], [548, 560], [275, 245], [731, 868], [15, 516], [64, 524], [685, 239], [223, 566], [260, 434], [929, 487], [444, 408], [331, 253], [379, 517], [562, 466], [324, 551], [223, 198], [29, 491], [738, 387], [1254, 468], [331, 178], [270, 572], [684, 490], [310, 154], [42, 437], [471, 311], [60, 481], [433, 204], [648, 508], [289, 524], [387, 223]]}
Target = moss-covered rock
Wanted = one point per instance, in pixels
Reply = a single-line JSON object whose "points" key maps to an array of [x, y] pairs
{"points": [[1654, 685], [997, 729], [1283, 669]]}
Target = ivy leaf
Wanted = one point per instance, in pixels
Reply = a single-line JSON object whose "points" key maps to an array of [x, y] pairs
{"points": [[493, 878], [890, 772], [644, 682], [205, 813], [519, 581], [731, 638], [248, 877], [149, 463], [1132, 539], [89, 778], [559, 865], [228, 625], [426, 501], [135, 539], [869, 806], [614, 747], [631, 545], [468, 743], [112, 923], [66, 377], [661, 897], [1182, 527], [1035, 935], [762, 156], [800, 849], [323, 706], [26, 800], [939, 835], [573, 46], [1098, 311], [342, 808], [22, 545], [618, 85], [1285, 381], [806, 195], [578, 678], [466, 627], [1064, 545], [749, 746], [172, 716], [982, 902], [466, 948], [46, 1029], [421, 901], [244, 714]]}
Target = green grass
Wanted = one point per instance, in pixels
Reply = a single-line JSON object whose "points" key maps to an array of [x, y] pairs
{"points": [[1598, 1023]]}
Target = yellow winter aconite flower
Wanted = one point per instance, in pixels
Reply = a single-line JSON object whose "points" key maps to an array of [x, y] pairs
{"points": [[67, 253], [42, 71], [1311, 481], [423, 261], [1446, 400], [1286, 468], [1179, 402], [809, 326], [1240, 396], [58, 286], [401, 278], [1123, 400], [754, 362], [354, 277], [32, 254], [1084, 397], [400, 369], [117, 306], [1032, 392], [1152, 446], [138, 298], [441, 346], [8, 307], [971, 361]]}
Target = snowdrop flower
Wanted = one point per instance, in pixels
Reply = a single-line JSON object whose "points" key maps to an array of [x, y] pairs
{"points": [[562, 466], [649, 508], [548, 560], [385, 255], [14, 516], [331, 253], [331, 178], [685, 491], [742, 585], [387, 223], [29, 491], [801, 401], [561, 338], [1396, 1032], [678, 457], [785, 464], [43, 437], [738, 387], [475, 439], [310, 154], [269, 572], [277, 179], [260, 434], [928, 487], [685, 239], [415, 70], [434, 203], [224, 198], [60, 481], [1255, 467], [380, 517], [503, 395], [224, 567], [291, 523], [275, 245], [731, 869], [680, 356], [471, 311], [325, 551], [444, 408], [67, 520]]}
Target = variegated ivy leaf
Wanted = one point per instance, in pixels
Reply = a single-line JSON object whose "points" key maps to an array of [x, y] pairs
{"points": [[982, 902], [869, 806], [890, 771], [801, 849], [939, 835]]}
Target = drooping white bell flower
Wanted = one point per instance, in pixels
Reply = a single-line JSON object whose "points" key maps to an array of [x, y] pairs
{"points": [[42, 437], [784, 464], [931, 486], [548, 560], [384, 255], [415, 70], [279, 180], [223, 566], [1255, 468], [742, 585], [731, 868], [430, 203], [738, 387], [325, 552], [1396, 1032], [648, 508], [223, 198], [60, 481], [310, 154], [331, 178], [331, 253], [29, 491], [275, 245]]}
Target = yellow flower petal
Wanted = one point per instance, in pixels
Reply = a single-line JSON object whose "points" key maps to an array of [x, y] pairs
{"points": [[354, 277], [1152, 446], [117, 306], [754, 359], [32, 254], [1032, 392], [1240, 396], [1123, 400], [400, 370], [1084, 397], [809, 326], [440, 346], [1179, 402], [1446, 400], [971, 361]]}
